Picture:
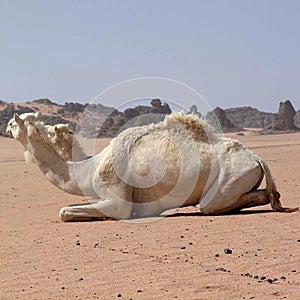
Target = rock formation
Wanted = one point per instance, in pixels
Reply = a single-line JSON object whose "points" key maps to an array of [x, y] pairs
{"points": [[219, 121], [101, 121], [249, 117], [97, 120], [297, 119], [284, 119], [194, 110]]}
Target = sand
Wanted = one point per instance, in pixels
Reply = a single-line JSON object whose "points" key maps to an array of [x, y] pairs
{"points": [[178, 257]]}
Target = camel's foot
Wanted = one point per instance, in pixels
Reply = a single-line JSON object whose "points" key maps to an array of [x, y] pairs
{"points": [[101, 210]]}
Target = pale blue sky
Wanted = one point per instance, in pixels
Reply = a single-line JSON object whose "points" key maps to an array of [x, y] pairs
{"points": [[234, 53]]}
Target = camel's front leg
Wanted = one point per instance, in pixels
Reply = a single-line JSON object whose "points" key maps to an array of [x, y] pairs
{"points": [[113, 208]]}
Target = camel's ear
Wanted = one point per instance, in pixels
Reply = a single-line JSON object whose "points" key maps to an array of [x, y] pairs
{"points": [[18, 120], [57, 131]]}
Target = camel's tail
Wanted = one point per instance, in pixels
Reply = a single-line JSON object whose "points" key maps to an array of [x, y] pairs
{"points": [[271, 190]]}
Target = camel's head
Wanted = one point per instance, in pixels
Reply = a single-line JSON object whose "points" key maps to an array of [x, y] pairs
{"points": [[61, 134], [26, 117], [17, 126], [17, 129]]}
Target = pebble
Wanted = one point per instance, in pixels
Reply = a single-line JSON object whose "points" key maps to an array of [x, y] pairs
{"points": [[227, 251], [78, 243], [222, 270]]}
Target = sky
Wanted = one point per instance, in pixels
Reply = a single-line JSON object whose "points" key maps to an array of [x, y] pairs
{"points": [[234, 53]]}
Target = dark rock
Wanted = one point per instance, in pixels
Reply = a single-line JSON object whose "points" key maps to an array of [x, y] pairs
{"points": [[227, 251], [297, 119], [44, 101], [249, 117], [156, 103], [222, 270], [219, 121], [194, 111], [284, 119]]}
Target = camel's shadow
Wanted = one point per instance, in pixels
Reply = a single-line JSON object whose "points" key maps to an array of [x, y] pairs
{"points": [[177, 214], [199, 214]]}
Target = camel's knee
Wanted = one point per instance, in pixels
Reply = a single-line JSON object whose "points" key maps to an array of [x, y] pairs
{"points": [[64, 214]]}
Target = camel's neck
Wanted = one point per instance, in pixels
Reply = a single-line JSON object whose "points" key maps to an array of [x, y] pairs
{"points": [[72, 177], [55, 168], [77, 153]]}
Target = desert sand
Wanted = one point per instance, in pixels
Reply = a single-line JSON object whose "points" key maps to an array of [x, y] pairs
{"points": [[178, 257]]}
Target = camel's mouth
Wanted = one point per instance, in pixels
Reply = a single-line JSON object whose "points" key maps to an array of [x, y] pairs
{"points": [[8, 131]]}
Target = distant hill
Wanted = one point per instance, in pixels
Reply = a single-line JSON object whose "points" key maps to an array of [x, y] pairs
{"points": [[92, 120], [97, 120], [249, 117]]}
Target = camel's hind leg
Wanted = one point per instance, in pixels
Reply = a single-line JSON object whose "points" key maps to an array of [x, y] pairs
{"points": [[113, 208], [251, 199], [235, 192]]}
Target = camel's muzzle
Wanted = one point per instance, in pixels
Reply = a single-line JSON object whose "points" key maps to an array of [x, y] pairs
{"points": [[8, 131]]}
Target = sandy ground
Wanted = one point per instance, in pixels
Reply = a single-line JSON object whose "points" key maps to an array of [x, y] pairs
{"points": [[181, 256]]}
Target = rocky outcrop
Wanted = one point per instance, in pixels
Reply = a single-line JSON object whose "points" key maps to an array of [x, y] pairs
{"points": [[297, 119], [71, 110], [219, 121], [284, 119], [45, 101], [249, 117], [97, 120], [109, 122], [194, 111]]}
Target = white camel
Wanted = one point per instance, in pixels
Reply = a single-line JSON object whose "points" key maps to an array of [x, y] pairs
{"points": [[149, 169]]}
